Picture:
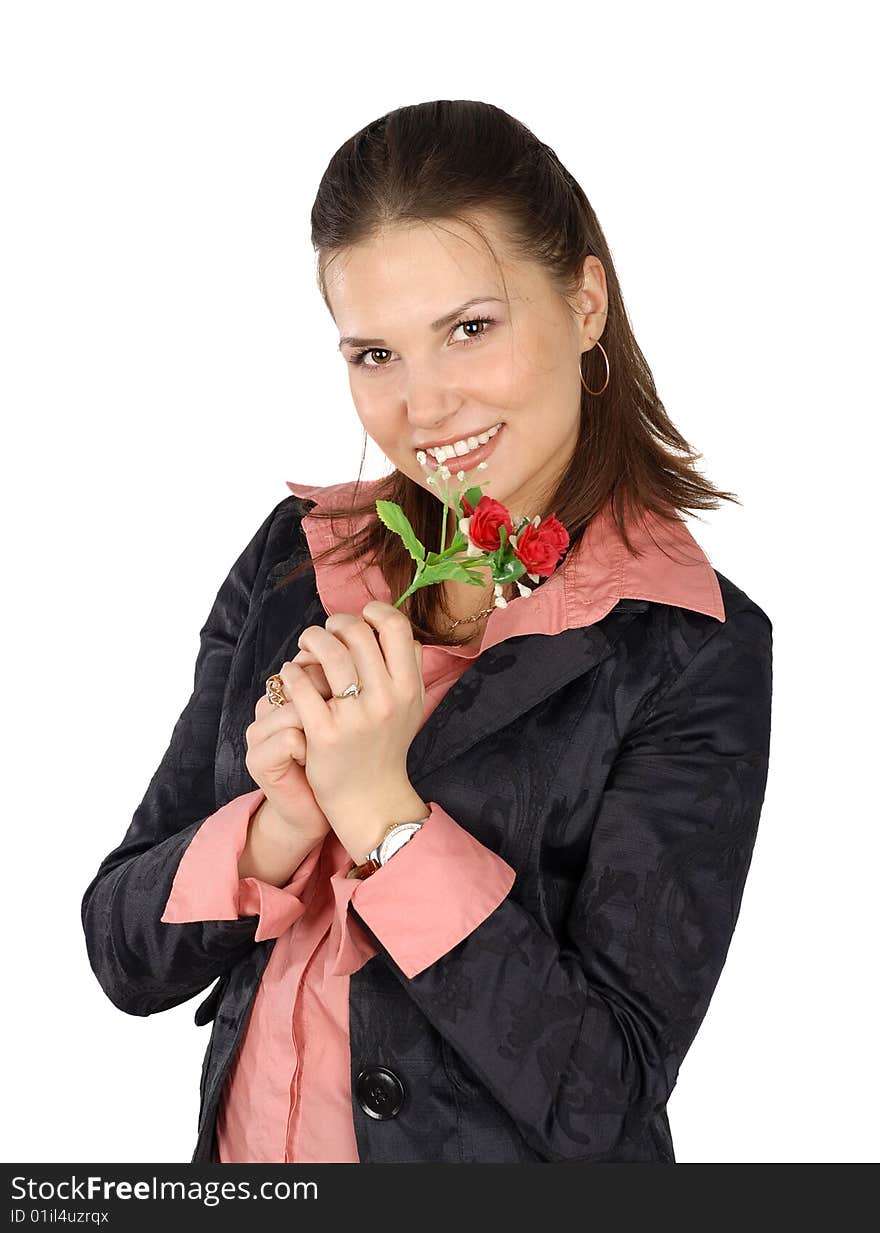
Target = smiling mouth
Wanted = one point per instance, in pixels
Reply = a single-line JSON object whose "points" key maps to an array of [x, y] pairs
{"points": [[463, 462]]}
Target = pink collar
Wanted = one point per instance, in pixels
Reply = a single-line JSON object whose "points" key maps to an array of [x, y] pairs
{"points": [[592, 578]]}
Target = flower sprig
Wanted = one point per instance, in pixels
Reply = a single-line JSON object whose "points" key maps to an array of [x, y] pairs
{"points": [[485, 536]]}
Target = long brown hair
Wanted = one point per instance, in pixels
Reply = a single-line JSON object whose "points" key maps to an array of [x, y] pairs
{"points": [[445, 160]]}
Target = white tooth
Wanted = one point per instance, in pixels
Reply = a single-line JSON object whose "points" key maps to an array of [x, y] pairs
{"points": [[464, 446]]}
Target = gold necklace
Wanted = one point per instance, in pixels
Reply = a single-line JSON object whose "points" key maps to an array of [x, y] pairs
{"points": [[468, 620]]}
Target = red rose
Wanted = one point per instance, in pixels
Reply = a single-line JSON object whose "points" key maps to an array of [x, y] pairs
{"points": [[485, 521], [540, 547]]}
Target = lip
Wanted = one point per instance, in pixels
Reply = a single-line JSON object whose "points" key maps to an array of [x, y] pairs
{"points": [[467, 462], [462, 436]]}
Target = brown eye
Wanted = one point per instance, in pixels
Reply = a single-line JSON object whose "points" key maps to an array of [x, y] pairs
{"points": [[359, 359]]}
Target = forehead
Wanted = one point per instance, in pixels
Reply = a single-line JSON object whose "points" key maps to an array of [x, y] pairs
{"points": [[420, 270]]}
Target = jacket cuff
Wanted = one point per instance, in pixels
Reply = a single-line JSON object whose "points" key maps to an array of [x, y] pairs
{"points": [[207, 887], [430, 896]]}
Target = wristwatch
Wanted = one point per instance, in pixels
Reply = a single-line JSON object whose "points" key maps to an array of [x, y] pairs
{"points": [[397, 834]]}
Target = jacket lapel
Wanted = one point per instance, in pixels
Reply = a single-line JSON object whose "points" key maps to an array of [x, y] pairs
{"points": [[509, 679]]}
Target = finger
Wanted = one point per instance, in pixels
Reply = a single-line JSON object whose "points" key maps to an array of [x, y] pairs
{"points": [[265, 709], [290, 741], [270, 719], [265, 706], [272, 752], [348, 652], [397, 643], [317, 719], [313, 666]]}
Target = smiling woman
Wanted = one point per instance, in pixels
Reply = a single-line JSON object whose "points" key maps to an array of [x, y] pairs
{"points": [[430, 382], [476, 908], [471, 284]]}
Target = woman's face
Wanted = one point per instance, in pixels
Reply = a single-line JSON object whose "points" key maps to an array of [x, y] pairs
{"points": [[419, 376]]}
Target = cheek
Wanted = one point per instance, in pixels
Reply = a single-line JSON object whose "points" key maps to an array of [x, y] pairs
{"points": [[494, 381], [387, 429], [374, 415]]}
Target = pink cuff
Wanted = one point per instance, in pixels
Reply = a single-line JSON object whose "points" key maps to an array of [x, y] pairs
{"points": [[207, 887], [432, 893]]}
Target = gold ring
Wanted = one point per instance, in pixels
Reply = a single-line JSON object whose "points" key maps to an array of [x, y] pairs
{"points": [[275, 690]]}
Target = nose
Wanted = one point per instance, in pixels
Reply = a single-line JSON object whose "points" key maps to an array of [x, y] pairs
{"points": [[431, 404]]}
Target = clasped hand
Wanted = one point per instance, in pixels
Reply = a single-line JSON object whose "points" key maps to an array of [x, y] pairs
{"points": [[356, 748]]}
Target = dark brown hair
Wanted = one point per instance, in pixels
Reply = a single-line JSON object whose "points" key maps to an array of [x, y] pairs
{"points": [[448, 159]]}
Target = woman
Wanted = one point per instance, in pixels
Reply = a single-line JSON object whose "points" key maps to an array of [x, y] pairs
{"points": [[570, 781]]}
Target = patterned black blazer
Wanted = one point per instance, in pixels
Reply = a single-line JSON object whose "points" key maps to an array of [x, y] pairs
{"points": [[620, 768]]}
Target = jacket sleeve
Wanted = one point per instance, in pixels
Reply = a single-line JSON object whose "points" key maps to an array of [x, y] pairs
{"points": [[413, 905], [144, 965], [207, 885], [581, 1040]]}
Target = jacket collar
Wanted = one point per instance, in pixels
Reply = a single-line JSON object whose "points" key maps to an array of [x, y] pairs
{"points": [[589, 585]]}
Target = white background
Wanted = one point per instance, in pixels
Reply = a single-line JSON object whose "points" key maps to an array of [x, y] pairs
{"points": [[167, 363]]}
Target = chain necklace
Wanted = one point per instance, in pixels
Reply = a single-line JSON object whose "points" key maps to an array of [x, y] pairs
{"points": [[470, 619]]}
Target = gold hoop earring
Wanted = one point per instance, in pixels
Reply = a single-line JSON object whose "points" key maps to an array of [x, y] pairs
{"points": [[596, 393]]}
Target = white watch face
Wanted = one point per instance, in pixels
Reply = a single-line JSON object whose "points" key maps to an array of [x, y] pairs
{"points": [[396, 841]]}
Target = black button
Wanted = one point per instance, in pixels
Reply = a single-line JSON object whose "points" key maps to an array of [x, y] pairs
{"points": [[379, 1092]]}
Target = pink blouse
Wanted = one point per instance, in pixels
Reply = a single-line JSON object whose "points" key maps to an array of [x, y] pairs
{"points": [[287, 1096]]}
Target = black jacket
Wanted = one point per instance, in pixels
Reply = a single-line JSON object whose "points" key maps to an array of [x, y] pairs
{"points": [[620, 768]]}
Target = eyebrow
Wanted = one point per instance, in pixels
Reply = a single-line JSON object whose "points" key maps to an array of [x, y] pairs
{"points": [[445, 320]]}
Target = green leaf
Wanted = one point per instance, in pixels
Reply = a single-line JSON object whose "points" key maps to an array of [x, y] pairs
{"points": [[396, 520], [453, 570]]}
